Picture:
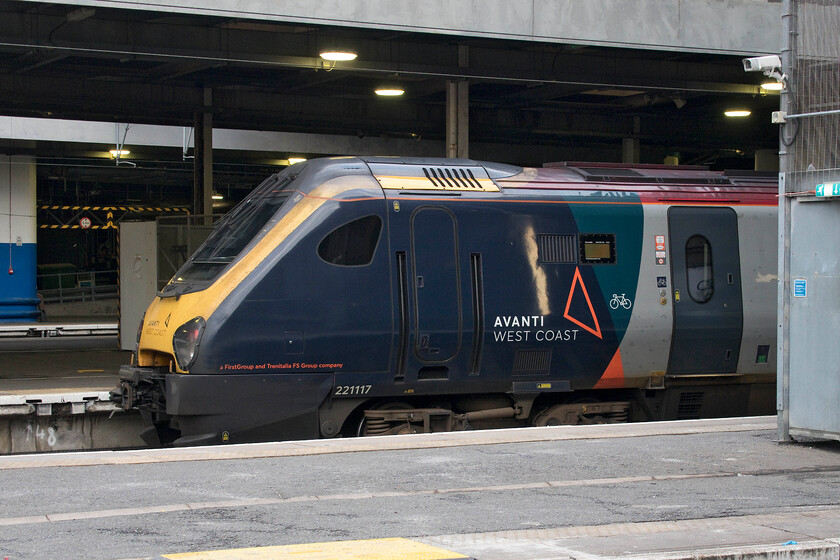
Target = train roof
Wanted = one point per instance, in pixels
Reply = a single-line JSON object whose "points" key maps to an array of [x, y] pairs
{"points": [[652, 183]]}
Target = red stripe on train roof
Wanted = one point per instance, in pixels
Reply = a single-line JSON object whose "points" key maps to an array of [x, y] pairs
{"points": [[699, 201], [763, 194]]}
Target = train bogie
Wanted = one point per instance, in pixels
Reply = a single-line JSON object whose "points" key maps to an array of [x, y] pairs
{"points": [[376, 296]]}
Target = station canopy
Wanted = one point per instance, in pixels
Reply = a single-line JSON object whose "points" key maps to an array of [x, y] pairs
{"points": [[530, 102]]}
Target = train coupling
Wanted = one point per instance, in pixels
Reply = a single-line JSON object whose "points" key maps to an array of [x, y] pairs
{"points": [[140, 387]]}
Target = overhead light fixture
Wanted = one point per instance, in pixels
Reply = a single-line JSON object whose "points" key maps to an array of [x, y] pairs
{"points": [[294, 160], [122, 153], [217, 196], [80, 14], [737, 113], [389, 91], [338, 56], [613, 92], [773, 85]]}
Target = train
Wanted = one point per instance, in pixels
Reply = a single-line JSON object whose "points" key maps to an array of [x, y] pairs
{"points": [[358, 296]]}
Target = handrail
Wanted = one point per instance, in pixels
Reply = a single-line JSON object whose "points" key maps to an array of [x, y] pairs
{"points": [[78, 286]]}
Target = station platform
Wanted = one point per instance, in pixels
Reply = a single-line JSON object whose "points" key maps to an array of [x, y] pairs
{"points": [[697, 489], [58, 375], [77, 326], [716, 489], [795, 536], [78, 355]]}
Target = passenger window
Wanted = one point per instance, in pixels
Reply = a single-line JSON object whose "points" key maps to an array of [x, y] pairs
{"points": [[352, 244], [698, 264]]}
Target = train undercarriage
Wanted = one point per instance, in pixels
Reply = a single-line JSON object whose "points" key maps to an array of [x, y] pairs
{"points": [[675, 398]]}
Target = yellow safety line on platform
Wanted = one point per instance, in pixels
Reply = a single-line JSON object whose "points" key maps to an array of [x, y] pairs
{"points": [[373, 549]]}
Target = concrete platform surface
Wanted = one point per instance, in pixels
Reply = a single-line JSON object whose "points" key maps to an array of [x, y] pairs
{"points": [[807, 533], [719, 489], [799, 535], [59, 364]]}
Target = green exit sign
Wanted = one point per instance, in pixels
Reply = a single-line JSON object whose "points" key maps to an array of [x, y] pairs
{"points": [[828, 189]]}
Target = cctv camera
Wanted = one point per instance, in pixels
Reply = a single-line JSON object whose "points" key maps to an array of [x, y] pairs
{"points": [[761, 63]]}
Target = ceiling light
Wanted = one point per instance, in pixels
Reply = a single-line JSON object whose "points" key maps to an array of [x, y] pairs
{"points": [[613, 92], [338, 56], [121, 153], [773, 85], [294, 160], [389, 91], [80, 14], [737, 113], [217, 196]]}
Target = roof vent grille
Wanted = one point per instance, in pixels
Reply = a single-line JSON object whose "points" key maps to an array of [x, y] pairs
{"points": [[452, 178]]}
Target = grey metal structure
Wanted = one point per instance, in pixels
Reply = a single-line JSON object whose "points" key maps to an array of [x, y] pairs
{"points": [[809, 268], [138, 274]]}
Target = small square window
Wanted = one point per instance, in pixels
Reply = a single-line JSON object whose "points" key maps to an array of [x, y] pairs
{"points": [[597, 248]]}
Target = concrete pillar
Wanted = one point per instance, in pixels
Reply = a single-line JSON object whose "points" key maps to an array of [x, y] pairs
{"points": [[203, 162], [767, 160], [630, 148], [18, 237], [458, 111], [451, 119]]}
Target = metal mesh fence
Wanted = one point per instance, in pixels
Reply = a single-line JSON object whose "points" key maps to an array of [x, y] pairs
{"points": [[812, 138], [178, 238]]}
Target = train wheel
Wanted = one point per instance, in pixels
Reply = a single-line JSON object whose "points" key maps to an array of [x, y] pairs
{"points": [[583, 413], [371, 425]]}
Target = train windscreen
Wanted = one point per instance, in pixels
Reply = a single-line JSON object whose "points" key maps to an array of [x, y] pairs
{"points": [[241, 226]]}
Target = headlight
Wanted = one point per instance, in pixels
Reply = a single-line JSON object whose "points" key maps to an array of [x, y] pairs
{"points": [[185, 342]]}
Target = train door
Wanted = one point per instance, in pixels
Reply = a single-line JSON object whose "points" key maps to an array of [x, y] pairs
{"points": [[434, 252], [706, 278]]}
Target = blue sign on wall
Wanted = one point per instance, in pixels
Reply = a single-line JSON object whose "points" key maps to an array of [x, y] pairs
{"points": [[800, 287]]}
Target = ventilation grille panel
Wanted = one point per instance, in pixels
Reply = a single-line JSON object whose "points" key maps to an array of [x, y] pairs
{"points": [[557, 248], [531, 361], [690, 404]]}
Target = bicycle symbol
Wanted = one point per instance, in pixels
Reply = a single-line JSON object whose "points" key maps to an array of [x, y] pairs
{"points": [[620, 300]]}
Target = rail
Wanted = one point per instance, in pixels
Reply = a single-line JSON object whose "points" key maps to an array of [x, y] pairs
{"points": [[78, 286]]}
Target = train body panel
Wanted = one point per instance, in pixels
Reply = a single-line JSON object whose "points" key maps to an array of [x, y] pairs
{"points": [[450, 292], [294, 324], [647, 343], [759, 276]]}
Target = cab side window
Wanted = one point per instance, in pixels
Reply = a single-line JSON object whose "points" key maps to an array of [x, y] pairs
{"points": [[352, 244]]}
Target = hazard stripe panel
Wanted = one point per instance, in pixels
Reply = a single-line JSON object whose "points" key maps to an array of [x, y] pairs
{"points": [[123, 208], [372, 549]]}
